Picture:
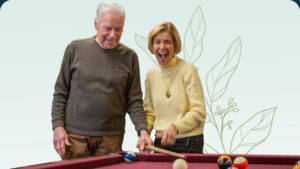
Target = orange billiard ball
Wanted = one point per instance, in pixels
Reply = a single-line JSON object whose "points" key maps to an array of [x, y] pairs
{"points": [[296, 166], [224, 162], [240, 162], [224, 156]]}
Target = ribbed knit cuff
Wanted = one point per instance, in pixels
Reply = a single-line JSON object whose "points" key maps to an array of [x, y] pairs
{"points": [[139, 132], [57, 124]]}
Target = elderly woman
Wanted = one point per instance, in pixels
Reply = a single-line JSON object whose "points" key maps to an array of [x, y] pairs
{"points": [[174, 103]]}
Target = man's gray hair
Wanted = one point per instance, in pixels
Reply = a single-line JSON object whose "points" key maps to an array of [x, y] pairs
{"points": [[113, 7]]}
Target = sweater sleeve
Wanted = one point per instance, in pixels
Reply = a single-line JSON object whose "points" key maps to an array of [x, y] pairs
{"points": [[61, 90], [134, 99], [197, 113], [148, 105]]}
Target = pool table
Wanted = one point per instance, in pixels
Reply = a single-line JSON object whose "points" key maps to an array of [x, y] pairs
{"points": [[162, 161]]}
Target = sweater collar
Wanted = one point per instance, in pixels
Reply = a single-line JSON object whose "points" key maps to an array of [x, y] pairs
{"points": [[171, 65], [98, 45]]}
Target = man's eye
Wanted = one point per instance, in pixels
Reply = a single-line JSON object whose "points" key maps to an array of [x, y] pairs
{"points": [[107, 28]]}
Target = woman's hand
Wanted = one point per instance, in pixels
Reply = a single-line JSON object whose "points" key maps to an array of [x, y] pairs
{"points": [[168, 136]]}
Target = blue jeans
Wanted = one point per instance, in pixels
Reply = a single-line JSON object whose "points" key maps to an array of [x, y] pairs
{"points": [[193, 144]]}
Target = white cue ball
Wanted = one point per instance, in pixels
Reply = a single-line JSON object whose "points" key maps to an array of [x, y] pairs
{"points": [[180, 164]]}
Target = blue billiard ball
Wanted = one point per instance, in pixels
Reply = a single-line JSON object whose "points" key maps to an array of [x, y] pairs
{"points": [[129, 157]]}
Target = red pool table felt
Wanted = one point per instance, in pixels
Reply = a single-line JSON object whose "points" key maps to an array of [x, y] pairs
{"points": [[162, 161]]}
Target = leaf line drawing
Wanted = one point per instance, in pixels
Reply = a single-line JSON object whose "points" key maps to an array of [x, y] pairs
{"points": [[142, 42], [193, 37], [251, 132], [259, 124], [217, 81], [218, 77]]}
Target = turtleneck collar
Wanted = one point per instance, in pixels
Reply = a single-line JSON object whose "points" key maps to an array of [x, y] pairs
{"points": [[171, 65]]}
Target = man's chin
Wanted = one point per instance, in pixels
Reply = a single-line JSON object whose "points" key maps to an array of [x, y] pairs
{"points": [[109, 46]]}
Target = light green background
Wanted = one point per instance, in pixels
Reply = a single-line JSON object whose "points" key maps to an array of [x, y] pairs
{"points": [[34, 34]]}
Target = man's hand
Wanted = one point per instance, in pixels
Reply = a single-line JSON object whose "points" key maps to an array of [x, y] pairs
{"points": [[60, 139], [168, 136], [144, 140]]}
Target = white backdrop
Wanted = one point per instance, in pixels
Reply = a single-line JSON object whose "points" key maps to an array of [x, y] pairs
{"points": [[257, 39]]}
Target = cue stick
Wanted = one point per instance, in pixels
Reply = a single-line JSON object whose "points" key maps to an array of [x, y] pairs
{"points": [[159, 150]]}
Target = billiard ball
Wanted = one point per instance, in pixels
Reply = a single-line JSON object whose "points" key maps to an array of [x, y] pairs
{"points": [[224, 156], [224, 162], [129, 157], [296, 166], [240, 162], [231, 167], [298, 162], [180, 164]]}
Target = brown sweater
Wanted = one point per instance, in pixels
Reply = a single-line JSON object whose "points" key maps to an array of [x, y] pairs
{"points": [[95, 88]]}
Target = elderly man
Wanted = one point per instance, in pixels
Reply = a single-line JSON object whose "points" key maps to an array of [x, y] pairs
{"points": [[98, 83]]}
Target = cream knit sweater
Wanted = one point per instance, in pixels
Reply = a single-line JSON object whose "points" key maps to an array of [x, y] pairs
{"points": [[185, 108]]}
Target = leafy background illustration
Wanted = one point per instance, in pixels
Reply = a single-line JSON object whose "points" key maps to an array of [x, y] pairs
{"points": [[251, 132], [35, 33]]}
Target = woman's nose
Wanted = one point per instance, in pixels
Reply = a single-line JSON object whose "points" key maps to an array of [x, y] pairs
{"points": [[162, 45]]}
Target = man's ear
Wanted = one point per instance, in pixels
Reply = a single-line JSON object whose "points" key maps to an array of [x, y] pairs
{"points": [[95, 24]]}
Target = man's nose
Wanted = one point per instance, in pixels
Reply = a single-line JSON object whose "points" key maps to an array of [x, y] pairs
{"points": [[112, 33]]}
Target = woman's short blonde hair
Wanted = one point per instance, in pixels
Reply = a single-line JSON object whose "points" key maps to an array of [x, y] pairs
{"points": [[165, 27]]}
